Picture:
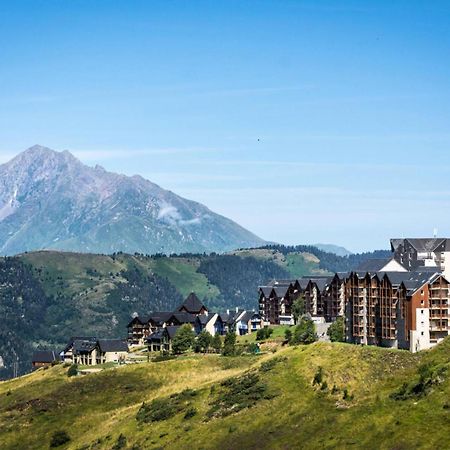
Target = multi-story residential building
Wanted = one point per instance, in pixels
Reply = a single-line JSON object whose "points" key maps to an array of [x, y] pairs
{"points": [[416, 253]]}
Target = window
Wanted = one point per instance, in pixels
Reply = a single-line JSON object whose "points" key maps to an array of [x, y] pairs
{"points": [[421, 311], [421, 333]]}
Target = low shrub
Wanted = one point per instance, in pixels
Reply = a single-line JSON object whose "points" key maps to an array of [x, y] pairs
{"points": [[318, 377], [163, 357], [73, 370], [165, 408], [264, 333], [120, 443], [237, 394], [190, 412], [266, 366], [59, 438]]}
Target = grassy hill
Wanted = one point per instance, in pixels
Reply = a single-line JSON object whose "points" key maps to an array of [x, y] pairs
{"points": [[365, 398]]}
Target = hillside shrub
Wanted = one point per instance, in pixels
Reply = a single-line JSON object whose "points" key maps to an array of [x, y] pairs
{"points": [[163, 357], [428, 376], [318, 377], [73, 370], [190, 412], [304, 332], [288, 334], [216, 343], [264, 333], [164, 408], [266, 366], [59, 438], [336, 330], [229, 346], [120, 443], [237, 394]]}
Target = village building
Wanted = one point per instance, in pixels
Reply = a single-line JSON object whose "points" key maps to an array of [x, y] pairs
{"points": [[44, 358], [161, 340], [90, 351]]}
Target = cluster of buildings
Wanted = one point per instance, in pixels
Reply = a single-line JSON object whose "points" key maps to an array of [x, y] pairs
{"points": [[157, 329], [400, 302], [87, 351]]}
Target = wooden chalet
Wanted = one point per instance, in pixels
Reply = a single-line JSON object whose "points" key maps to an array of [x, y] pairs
{"points": [[44, 358], [192, 305]]}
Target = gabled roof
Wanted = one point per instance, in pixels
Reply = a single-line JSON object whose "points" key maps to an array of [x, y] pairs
{"points": [[74, 339], [266, 290], [373, 265], [80, 346], [281, 291], [192, 304], [159, 317], [112, 345], [421, 245], [182, 317], [45, 356], [248, 315], [171, 331]]}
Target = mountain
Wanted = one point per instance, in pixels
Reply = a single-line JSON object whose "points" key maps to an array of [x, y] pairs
{"points": [[331, 248], [319, 396], [50, 200]]}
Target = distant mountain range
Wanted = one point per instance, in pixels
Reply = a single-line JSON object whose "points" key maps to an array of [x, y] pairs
{"points": [[331, 248], [50, 200]]}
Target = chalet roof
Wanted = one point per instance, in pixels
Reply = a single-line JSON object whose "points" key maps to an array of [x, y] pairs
{"points": [[81, 346], [159, 317], [73, 339], [182, 317], [192, 304], [156, 336], [421, 245], [266, 290], [112, 345], [248, 315], [281, 291], [45, 356], [373, 265], [171, 331]]}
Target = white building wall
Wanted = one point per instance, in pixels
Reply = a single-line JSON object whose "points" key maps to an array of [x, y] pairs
{"points": [[420, 337]]}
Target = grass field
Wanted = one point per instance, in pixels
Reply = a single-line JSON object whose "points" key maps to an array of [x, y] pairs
{"points": [[271, 403]]}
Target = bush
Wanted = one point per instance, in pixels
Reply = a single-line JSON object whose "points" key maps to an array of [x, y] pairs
{"points": [[253, 348], [288, 334], [204, 341], [336, 330], [266, 366], [165, 408], [59, 438], [304, 332], [264, 333], [190, 412], [216, 343], [229, 346], [237, 394], [73, 370], [183, 340], [120, 443], [318, 377], [163, 357]]}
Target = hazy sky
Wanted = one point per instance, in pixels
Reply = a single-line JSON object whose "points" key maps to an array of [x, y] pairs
{"points": [[304, 121]]}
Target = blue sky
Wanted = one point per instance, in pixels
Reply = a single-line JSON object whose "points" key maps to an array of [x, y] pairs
{"points": [[304, 121]]}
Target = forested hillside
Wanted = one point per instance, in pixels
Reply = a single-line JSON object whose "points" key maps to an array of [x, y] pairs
{"points": [[46, 297]]}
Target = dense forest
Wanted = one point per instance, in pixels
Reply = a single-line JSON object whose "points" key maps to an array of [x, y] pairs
{"points": [[47, 297]]}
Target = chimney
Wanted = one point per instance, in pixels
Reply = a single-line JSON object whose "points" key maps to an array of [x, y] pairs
{"points": [[237, 308], [228, 311]]}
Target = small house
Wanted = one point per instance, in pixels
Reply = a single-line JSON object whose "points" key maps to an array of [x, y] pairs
{"points": [[44, 358]]}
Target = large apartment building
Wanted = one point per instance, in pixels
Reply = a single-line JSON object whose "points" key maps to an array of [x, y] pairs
{"points": [[401, 302]]}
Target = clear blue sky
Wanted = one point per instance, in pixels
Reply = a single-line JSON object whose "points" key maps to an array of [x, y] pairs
{"points": [[305, 121]]}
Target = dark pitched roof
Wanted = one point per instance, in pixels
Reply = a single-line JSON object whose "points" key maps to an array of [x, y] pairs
{"points": [[182, 317], [192, 304], [421, 245], [83, 346], [281, 291], [171, 331], [248, 315], [159, 317], [112, 345], [266, 290], [373, 265], [73, 339], [45, 356], [157, 335]]}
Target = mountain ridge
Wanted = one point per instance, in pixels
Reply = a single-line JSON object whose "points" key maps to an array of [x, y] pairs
{"points": [[51, 200]]}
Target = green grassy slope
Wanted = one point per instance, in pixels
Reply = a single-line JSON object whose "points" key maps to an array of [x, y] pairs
{"points": [[288, 410]]}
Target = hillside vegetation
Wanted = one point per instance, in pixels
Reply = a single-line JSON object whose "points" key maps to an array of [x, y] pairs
{"points": [[46, 297], [318, 396]]}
